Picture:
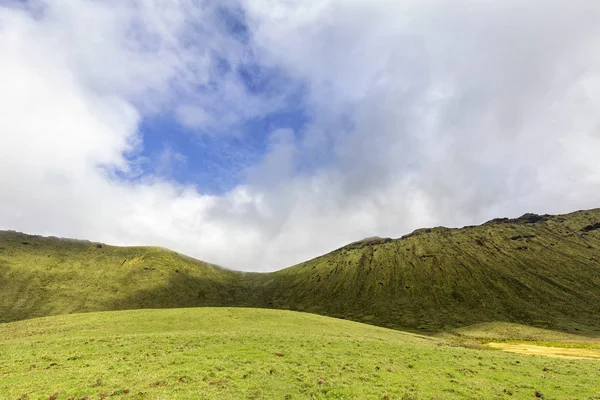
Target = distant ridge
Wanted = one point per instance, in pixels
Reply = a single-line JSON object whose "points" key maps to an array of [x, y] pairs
{"points": [[539, 270]]}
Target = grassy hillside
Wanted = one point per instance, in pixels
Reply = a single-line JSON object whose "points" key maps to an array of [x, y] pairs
{"points": [[47, 276], [238, 353], [536, 270]]}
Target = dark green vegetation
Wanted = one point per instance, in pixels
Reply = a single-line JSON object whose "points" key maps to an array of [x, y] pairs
{"points": [[536, 270], [237, 353]]}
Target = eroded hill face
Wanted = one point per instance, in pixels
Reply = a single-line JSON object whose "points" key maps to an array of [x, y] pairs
{"points": [[536, 270]]}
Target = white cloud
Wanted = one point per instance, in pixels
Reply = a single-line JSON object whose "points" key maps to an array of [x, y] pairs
{"points": [[425, 113], [193, 116], [168, 162], [476, 101]]}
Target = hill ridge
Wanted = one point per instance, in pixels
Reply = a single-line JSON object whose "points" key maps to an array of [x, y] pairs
{"points": [[539, 270]]}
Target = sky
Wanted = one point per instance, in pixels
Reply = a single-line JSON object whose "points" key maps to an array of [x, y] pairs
{"points": [[257, 134]]}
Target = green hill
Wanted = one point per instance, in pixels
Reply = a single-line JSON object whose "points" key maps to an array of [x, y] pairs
{"points": [[224, 353], [536, 270], [42, 276]]}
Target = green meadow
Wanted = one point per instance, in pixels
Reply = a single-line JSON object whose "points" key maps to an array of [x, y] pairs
{"points": [[237, 353]]}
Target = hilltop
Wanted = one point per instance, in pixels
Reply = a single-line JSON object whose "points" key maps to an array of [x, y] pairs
{"points": [[538, 270]]}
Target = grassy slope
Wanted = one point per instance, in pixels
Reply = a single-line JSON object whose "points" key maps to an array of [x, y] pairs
{"points": [[258, 354], [545, 273], [505, 331], [48, 276], [536, 271]]}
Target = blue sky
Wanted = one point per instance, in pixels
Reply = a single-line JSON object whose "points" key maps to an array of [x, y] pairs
{"points": [[257, 134], [214, 162]]}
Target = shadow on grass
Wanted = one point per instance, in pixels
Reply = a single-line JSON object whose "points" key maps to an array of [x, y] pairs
{"points": [[184, 290]]}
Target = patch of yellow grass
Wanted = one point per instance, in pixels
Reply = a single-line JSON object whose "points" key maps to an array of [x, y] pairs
{"points": [[557, 352]]}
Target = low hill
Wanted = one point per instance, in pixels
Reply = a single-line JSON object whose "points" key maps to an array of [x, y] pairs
{"points": [[42, 276], [536, 270], [240, 353]]}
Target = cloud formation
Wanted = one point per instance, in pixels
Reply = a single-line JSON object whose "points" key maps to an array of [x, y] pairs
{"points": [[422, 113]]}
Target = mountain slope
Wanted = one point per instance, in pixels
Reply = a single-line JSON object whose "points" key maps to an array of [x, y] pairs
{"points": [[47, 276], [536, 270]]}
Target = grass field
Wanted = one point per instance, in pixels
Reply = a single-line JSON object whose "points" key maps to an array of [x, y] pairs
{"points": [[236, 353]]}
